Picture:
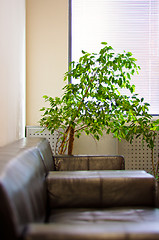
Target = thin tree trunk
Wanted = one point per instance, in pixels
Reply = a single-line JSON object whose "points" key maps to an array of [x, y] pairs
{"points": [[64, 141], [71, 141]]}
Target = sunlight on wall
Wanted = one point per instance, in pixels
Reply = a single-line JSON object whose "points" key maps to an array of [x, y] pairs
{"points": [[12, 70]]}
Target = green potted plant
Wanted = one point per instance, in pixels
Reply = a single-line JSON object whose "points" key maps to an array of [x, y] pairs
{"points": [[94, 104]]}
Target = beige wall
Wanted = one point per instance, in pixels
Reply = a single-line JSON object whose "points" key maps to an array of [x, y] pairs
{"points": [[12, 70], [88, 145], [47, 52]]}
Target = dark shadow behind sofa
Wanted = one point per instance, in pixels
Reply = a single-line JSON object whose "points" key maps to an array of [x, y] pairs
{"points": [[39, 203]]}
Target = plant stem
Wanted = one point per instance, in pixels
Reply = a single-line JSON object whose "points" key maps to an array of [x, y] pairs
{"points": [[64, 140], [71, 141]]}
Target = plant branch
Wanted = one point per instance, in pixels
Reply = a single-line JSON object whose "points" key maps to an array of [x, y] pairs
{"points": [[64, 140], [81, 128]]}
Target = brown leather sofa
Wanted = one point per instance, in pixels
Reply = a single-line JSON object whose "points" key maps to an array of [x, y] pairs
{"points": [[88, 162], [39, 203]]}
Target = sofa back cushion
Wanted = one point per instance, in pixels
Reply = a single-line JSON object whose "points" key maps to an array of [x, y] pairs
{"points": [[41, 144], [46, 154], [101, 189], [89, 162], [22, 189]]}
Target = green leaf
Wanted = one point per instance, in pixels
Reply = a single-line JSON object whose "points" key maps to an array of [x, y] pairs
{"points": [[104, 43], [128, 75], [45, 97], [83, 52]]}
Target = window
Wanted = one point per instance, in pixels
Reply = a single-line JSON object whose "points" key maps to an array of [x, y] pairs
{"points": [[130, 25]]}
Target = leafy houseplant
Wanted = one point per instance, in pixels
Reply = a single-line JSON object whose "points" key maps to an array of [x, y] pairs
{"points": [[94, 103]]}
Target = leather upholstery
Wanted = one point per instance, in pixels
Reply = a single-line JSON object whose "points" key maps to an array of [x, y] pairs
{"points": [[22, 186], [99, 205], [41, 144], [89, 162], [46, 154], [101, 189], [104, 215], [94, 231]]}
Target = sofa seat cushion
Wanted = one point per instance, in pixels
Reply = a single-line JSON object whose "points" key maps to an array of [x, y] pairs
{"points": [[87, 215], [98, 224], [101, 189], [112, 224]]}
